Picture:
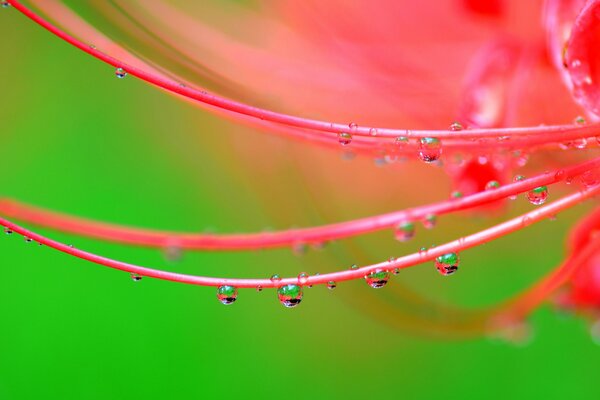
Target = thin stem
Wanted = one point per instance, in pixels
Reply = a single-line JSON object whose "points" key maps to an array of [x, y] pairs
{"points": [[464, 243]]}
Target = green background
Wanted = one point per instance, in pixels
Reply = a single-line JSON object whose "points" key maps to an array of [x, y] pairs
{"points": [[74, 138]]}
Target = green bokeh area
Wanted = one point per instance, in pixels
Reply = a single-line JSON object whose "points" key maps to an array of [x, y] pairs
{"points": [[75, 138]]}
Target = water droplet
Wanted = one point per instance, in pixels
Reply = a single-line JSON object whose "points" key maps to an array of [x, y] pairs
{"points": [[302, 278], [120, 73], [5, 4], [429, 221], [259, 288], [290, 295], [352, 126], [396, 271], [27, 239], [447, 264], [579, 120], [227, 294], [404, 231], [331, 285], [354, 266], [401, 141], [517, 178], [275, 278], [378, 278], [456, 126], [135, 277], [491, 185], [430, 149], [8, 231], [456, 194], [344, 138], [373, 131], [538, 195]]}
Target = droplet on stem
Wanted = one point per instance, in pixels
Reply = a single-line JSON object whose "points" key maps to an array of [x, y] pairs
{"points": [[135, 277], [227, 294], [447, 264], [430, 149], [538, 195], [344, 138], [404, 231], [120, 73], [289, 295], [378, 278]]}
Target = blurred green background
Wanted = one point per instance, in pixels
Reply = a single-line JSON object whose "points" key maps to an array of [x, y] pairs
{"points": [[78, 140]]}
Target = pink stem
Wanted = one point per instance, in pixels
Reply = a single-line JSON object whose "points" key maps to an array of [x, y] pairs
{"points": [[557, 132], [466, 242]]}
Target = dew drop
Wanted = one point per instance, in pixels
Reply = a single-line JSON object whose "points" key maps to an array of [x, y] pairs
{"points": [[344, 138], [352, 126], [579, 120], [538, 195], [373, 132], [135, 277], [429, 221], [259, 288], [5, 4], [331, 285], [401, 141], [27, 239], [289, 295], [491, 185], [8, 231], [120, 73], [396, 271], [456, 126], [378, 278], [302, 278], [227, 294], [275, 278], [456, 194], [404, 231], [447, 264], [430, 149], [354, 266]]}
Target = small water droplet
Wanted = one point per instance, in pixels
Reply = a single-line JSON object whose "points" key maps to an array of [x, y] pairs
{"points": [[5, 4], [259, 288], [579, 120], [227, 294], [344, 138], [373, 131], [447, 264], [430, 149], [354, 266], [538, 195], [331, 285], [404, 231], [396, 271], [491, 185], [429, 221], [275, 278], [289, 295], [27, 239], [120, 73], [378, 278], [8, 231], [456, 194], [456, 126], [401, 141], [352, 126], [302, 278], [135, 277]]}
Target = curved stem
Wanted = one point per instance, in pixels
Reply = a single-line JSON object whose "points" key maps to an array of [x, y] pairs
{"points": [[466, 242], [546, 133]]}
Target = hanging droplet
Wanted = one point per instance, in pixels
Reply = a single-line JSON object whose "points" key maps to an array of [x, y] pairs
{"points": [[378, 278], [401, 141], [396, 271], [259, 288], [135, 277], [430, 149], [290, 295], [275, 278], [331, 285], [227, 294], [354, 266], [456, 194], [404, 231], [120, 73], [302, 278], [456, 126], [27, 239], [429, 221], [5, 4], [8, 231], [344, 138], [353, 126], [491, 185], [447, 264], [579, 120], [538, 195]]}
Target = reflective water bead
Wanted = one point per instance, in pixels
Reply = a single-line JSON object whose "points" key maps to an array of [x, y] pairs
{"points": [[492, 185], [430, 149], [401, 141], [259, 288], [27, 239], [289, 295], [579, 120], [302, 278], [344, 138], [8, 231], [353, 126], [331, 285], [354, 266], [5, 4], [120, 73], [404, 231], [447, 264], [135, 277], [275, 278], [429, 221], [457, 194], [378, 278], [456, 126], [373, 132], [227, 294], [396, 271], [538, 195]]}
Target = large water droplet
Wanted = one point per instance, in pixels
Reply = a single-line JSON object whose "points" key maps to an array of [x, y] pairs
{"points": [[538, 195], [120, 73], [404, 231], [447, 264], [429, 221], [344, 138], [430, 149], [227, 294], [290, 295], [378, 278]]}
